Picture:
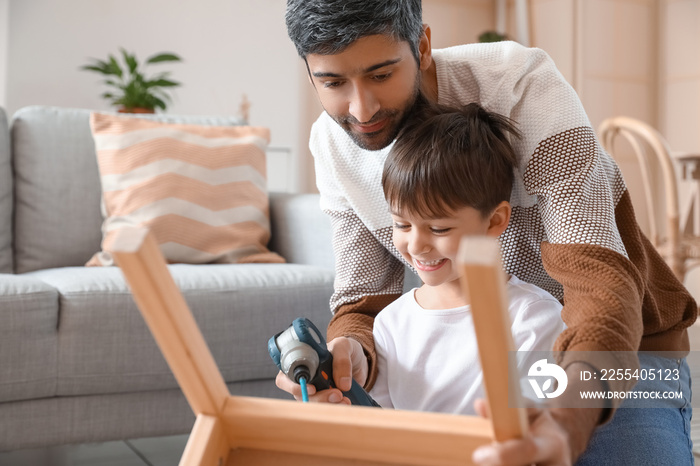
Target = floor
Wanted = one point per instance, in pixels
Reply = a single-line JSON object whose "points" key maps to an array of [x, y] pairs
{"points": [[166, 451]]}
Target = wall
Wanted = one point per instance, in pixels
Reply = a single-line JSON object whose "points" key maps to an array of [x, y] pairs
{"points": [[680, 74], [4, 42], [456, 22], [229, 48], [554, 27]]}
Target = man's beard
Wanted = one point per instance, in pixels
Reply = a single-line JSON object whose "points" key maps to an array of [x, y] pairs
{"points": [[385, 136]]}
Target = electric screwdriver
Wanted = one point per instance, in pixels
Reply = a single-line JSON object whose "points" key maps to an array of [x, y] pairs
{"points": [[301, 353]]}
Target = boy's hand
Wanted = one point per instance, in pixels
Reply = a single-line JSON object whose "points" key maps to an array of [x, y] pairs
{"points": [[546, 444], [558, 436], [349, 361]]}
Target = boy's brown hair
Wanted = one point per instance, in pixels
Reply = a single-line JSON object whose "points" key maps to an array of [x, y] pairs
{"points": [[447, 158]]}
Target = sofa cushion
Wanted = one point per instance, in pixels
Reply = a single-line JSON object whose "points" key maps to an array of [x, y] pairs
{"points": [[105, 346], [57, 185], [28, 338], [301, 232], [200, 189], [5, 197]]}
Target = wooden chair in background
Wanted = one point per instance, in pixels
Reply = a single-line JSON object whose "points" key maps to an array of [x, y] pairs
{"points": [[677, 244], [232, 430]]}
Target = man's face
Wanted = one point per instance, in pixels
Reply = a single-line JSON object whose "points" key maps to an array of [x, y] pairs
{"points": [[369, 88]]}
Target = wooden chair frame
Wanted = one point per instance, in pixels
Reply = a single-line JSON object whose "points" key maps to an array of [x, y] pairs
{"points": [[677, 245], [232, 430]]}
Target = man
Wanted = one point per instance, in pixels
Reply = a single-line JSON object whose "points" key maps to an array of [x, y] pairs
{"points": [[573, 230]]}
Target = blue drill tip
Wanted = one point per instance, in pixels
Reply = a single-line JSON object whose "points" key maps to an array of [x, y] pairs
{"points": [[304, 392]]}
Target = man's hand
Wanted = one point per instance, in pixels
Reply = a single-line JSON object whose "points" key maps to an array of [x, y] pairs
{"points": [[349, 361]]}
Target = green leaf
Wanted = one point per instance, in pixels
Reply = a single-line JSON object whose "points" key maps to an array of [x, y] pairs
{"points": [[114, 65], [98, 66], [139, 78], [162, 83], [159, 103], [161, 94], [161, 57], [492, 36], [130, 61], [130, 87], [109, 82]]}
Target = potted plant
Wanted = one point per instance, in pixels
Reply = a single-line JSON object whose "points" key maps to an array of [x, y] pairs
{"points": [[492, 36], [134, 92]]}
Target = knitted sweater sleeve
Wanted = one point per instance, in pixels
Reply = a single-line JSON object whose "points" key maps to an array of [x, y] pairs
{"points": [[577, 189], [368, 276], [367, 279], [618, 294]]}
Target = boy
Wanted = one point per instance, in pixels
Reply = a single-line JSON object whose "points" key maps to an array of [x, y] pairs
{"points": [[450, 174]]}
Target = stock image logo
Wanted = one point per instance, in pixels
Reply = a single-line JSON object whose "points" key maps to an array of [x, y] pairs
{"points": [[549, 372]]}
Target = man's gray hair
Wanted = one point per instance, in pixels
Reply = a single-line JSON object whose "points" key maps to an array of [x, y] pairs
{"points": [[327, 27]]}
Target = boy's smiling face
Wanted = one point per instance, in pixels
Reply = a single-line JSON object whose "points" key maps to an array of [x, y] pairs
{"points": [[431, 244]]}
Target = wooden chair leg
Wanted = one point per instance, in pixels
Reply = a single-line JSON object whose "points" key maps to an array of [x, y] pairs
{"points": [[484, 281], [207, 444]]}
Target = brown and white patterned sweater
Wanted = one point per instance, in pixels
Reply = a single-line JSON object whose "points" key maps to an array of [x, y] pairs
{"points": [[573, 231]]}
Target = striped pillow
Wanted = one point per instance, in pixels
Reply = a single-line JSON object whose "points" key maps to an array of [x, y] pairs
{"points": [[200, 189]]}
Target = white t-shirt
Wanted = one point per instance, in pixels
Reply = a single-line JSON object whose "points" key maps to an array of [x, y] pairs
{"points": [[428, 360]]}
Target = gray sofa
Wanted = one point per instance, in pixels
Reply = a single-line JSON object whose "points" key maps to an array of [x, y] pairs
{"points": [[77, 363]]}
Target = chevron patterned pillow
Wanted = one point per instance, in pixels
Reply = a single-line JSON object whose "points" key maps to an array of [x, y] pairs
{"points": [[200, 189]]}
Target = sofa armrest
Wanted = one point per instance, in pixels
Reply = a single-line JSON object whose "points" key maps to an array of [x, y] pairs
{"points": [[6, 194], [300, 231]]}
